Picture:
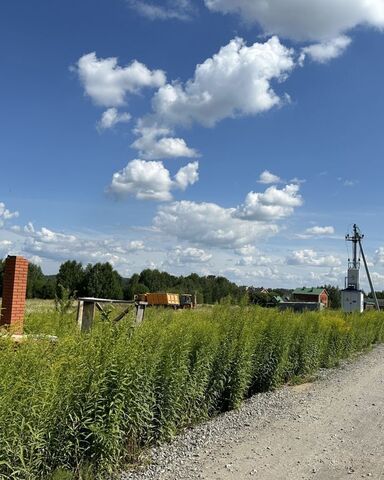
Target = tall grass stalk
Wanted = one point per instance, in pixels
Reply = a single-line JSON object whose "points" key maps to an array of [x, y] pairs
{"points": [[87, 405]]}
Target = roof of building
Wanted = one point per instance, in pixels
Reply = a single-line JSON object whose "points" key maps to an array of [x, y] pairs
{"points": [[277, 299], [308, 291]]}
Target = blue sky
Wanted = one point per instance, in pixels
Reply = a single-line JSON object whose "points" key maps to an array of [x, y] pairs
{"points": [[216, 136]]}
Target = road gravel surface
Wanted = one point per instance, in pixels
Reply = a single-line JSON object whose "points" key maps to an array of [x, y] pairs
{"points": [[331, 428]]}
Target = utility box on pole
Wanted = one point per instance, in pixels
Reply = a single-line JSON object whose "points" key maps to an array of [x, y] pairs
{"points": [[352, 300], [352, 297]]}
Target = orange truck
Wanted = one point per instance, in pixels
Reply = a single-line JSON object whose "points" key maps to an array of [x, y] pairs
{"points": [[173, 300]]}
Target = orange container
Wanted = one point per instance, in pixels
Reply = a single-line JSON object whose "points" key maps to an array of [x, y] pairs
{"points": [[166, 299]]}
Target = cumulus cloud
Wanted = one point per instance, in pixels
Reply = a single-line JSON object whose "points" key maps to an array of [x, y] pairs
{"points": [[209, 224], [112, 117], [379, 256], [323, 52], [234, 82], [152, 147], [108, 84], [246, 250], [163, 10], [273, 204], [6, 214], [187, 175], [58, 246], [378, 279], [151, 180], [5, 246], [257, 260], [314, 20], [189, 255], [267, 177], [235, 228], [312, 258], [320, 231]]}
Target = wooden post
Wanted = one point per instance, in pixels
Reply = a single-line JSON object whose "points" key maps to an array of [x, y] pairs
{"points": [[140, 309], [85, 315]]}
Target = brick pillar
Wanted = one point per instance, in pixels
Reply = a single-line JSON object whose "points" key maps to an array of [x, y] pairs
{"points": [[14, 293]]}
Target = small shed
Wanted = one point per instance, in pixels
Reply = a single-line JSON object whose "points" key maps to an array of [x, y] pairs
{"points": [[319, 295]]}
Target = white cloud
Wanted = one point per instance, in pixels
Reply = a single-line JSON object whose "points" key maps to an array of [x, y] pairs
{"points": [[234, 82], [112, 117], [151, 180], [48, 244], [5, 243], [209, 224], [35, 259], [152, 147], [108, 84], [379, 256], [273, 204], [187, 175], [164, 9], [320, 231], [378, 280], [323, 52], [49, 236], [350, 183], [189, 255], [258, 260], [170, 148], [246, 250], [311, 257], [335, 276], [234, 228], [267, 177], [29, 228], [6, 214], [317, 20]]}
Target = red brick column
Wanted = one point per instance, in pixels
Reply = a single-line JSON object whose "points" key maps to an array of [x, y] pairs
{"points": [[14, 293]]}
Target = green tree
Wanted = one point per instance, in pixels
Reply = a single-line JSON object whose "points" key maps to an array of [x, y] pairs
{"points": [[102, 281], [133, 287], [48, 290], [35, 281], [71, 277]]}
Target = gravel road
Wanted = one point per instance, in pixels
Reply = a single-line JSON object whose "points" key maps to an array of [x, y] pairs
{"points": [[332, 428]]}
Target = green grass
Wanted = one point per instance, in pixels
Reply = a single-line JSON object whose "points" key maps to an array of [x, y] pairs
{"points": [[87, 405]]}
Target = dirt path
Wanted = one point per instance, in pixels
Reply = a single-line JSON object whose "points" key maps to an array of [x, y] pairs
{"points": [[330, 429], [334, 430]]}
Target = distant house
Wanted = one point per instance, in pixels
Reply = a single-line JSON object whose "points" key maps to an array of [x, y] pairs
{"points": [[275, 301], [319, 295]]}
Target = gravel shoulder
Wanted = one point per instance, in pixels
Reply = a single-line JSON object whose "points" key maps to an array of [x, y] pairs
{"points": [[330, 429]]}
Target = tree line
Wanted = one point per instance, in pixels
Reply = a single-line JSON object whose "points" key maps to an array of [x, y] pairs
{"points": [[101, 280]]}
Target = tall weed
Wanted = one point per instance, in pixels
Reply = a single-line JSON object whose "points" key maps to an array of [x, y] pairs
{"points": [[87, 405]]}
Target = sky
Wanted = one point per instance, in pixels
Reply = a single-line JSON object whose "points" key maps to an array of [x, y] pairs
{"points": [[240, 138]]}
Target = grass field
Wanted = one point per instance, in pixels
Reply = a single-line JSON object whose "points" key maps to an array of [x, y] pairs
{"points": [[87, 405]]}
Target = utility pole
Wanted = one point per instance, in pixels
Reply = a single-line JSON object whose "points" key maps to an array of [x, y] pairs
{"points": [[354, 266]]}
